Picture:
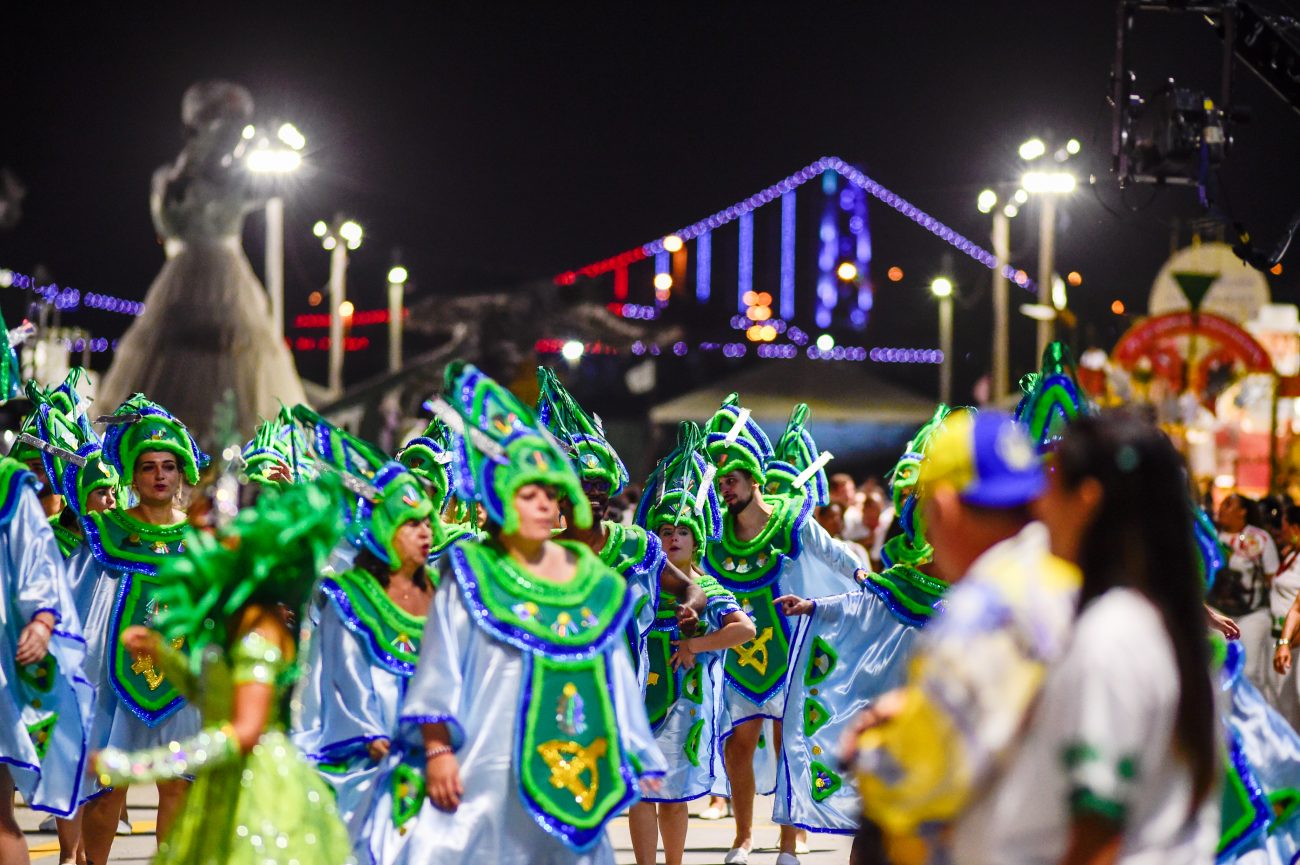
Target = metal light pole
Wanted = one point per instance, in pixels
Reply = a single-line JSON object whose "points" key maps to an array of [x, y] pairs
{"points": [[1046, 257], [396, 287], [275, 262], [338, 238], [1001, 313], [1047, 184], [277, 158], [941, 288]]}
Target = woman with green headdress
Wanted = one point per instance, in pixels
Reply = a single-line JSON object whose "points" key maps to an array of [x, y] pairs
{"points": [[138, 705], [849, 650], [254, 799], [530, 733], [367, 639], [680, 505]]}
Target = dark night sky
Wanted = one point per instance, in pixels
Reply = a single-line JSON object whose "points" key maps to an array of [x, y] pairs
{"points": [[498, 143]]}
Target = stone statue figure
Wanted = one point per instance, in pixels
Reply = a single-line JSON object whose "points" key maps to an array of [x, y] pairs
{"points": [[207, 326]]}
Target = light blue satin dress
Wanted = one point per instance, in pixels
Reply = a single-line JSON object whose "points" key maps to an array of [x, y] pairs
{"points": [[350, 696], [45, 708], [472, 682]]}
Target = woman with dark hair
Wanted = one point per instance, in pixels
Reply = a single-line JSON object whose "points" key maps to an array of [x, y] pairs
{"points": [[1241, 590], [1118, 759], [1284, 603], [367, 639]]}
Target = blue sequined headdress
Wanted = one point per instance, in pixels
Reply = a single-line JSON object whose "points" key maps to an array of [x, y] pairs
{"points": [[680, 491]]}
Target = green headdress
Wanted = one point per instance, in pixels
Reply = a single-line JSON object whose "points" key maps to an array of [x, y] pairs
{"points": [[1052, 398], [24, 451], [680, 491], [582, 435], [501, 447], [734, 441], [139, 426], [797, 466], [428, 457], [385, 493], [72, 452], [911, 546], [10, 372], [278, 442], [269, 554]]}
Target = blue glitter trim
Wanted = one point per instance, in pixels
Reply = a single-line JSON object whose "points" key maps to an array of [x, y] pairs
{"points": [[9, 506], [96, 544], [453, 725], [900, 612], [520, 639], [579, 840], [150, 719], [354, 624]]}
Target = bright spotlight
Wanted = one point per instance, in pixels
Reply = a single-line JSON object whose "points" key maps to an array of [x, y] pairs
{"points": [[1048, 181], [663, 281], [289, 134], [264, 160], [825, 342], [572, 350], [346, 308], [1072, 146], [847, 271], [249, 132], [397, 276], [1011, 210], [988, 199], [1021, 196], [320, 229], [941, 287], [1032, 149], [672, 243]]}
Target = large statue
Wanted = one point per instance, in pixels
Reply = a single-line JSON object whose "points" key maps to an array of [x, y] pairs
{"points": [[206, 327]]}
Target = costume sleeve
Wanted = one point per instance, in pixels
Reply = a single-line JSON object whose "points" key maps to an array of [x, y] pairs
{"points": [[629, 706], [37, 563], [824, 566], [212, 747], [349, 705], [436, 688]]}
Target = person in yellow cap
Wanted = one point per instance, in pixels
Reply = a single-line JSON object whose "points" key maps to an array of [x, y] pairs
{"points": [[927, 746]]}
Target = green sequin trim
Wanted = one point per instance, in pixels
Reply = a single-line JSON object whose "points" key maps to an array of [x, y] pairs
{"points": [[572, 614], [40, 734], [815, 716], [755, 560], [408, 794], [124, 537], [394, 630], [66, 538], [821, 661], [691, 748], [911, 588]]}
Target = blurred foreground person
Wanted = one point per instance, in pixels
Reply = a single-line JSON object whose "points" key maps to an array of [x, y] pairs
{"points": [[1118, 760]]}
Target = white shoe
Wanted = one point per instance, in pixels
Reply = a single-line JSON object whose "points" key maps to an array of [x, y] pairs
{"points": [[787, 859], [713, 812], [737, 856], [801, 846], [124, 828], [48, 825]]}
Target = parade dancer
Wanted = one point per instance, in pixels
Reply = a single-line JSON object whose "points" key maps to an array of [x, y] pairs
{"points": [[137, 704], [278, 454], [684, 690], [849, 650], [769, 547], [628, 549], [366, 641], [532, 734], [429, 457], [46, 703], [254, 799]]}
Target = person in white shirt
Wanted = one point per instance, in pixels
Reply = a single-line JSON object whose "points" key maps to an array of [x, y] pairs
{"points": [[1242, 589], [1118, 761], [1284, 691]]}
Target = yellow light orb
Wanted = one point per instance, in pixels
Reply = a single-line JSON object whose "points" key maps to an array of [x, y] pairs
{"points": [[754, 333], [663, 281], [346, 309], [760, 313], [672, 243], [847, 271]]}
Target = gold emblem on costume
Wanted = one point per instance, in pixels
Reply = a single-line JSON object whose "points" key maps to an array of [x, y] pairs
{"points": [[568, 762], [144, 666], [754, 653]]}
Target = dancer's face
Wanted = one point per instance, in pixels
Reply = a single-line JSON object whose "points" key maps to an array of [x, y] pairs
{"points": [[157, 477], [597, 493], [102, 499], [736, 489], [413, 541], [679, 545], [538, 507]]}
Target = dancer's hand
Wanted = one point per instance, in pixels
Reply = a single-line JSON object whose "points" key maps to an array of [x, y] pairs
{"points": [[442, 776], [378, 749], [280, 473], [139, 640], [793, 605], [33, 642], [687, 619], [683, 657], [652, 784], [1222, 623], [1282, 660]]}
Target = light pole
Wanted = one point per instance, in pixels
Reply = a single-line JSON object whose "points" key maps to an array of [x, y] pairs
{"points": [[338, 238], [1047, 183], [941, 288], [1002, 216], [396, 286], [277, 159]]}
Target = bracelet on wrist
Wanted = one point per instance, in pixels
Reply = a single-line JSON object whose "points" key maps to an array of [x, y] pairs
{"points": [[1282, 642], [437, 751], [47, 625]]}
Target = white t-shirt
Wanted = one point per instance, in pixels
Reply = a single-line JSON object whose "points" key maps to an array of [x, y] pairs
{"points": [[1100, 739], [1286, 585], [1253, 555]]}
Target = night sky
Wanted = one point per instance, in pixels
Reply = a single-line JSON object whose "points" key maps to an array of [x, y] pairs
{"points": [[495, 144]]}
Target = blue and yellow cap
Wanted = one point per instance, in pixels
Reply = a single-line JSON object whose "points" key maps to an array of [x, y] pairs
{"points": [[987, 458]]}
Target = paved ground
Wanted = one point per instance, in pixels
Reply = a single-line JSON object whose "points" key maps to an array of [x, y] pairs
{"points": [[707, 841]]}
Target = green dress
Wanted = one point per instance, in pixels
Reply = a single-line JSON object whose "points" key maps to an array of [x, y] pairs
{"points": [[268, 807]]}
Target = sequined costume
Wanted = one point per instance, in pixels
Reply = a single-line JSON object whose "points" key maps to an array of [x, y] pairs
{"points": [[45, 707], [531, 678], [851, 649], [266, 806], [685, 706]]}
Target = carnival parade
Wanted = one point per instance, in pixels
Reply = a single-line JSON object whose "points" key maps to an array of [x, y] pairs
{"points": [[644, 483]]}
